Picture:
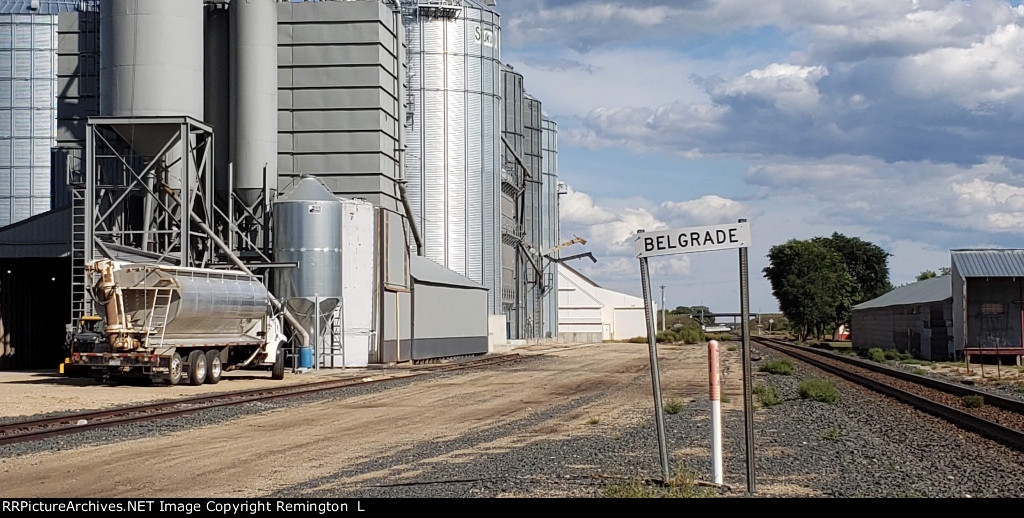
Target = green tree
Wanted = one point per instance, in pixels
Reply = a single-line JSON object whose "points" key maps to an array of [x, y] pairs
{"points": [[703, 311], [867, 263], [812, 284], [927, 274]]}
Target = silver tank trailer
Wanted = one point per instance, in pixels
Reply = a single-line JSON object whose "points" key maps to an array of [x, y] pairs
{"points": [[307, 230], [205, 306]]}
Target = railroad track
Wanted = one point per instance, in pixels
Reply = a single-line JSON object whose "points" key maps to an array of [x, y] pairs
{"points": [[998, 418], [37, 429]]}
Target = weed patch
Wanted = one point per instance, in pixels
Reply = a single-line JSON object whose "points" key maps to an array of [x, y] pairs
{"points": [[819, 389]]}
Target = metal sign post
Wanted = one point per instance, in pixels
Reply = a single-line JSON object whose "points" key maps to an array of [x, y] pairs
{"points": [[748, 398], [652, 345], [689, 240]]}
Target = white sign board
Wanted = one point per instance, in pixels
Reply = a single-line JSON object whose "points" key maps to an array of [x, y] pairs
{"points": [[694, 239]]}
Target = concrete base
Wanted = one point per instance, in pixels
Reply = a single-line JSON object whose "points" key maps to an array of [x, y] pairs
{"points": [[497, 341]]}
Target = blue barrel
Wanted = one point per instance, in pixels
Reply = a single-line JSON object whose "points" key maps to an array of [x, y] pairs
{"points": [[305, 357]]}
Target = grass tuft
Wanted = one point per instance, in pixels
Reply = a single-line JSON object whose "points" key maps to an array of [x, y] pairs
{"points": [[682, 484], [832, 434], [674, 405], [973, 401], [594, 420], [819, 389], [768, 395], [783, 367], [876, 355]]}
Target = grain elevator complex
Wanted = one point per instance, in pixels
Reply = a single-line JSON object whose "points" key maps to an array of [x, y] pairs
{"points": [[367, 174]]}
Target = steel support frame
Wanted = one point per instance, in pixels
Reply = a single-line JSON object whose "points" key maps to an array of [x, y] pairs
{"points": [[117, 176]]}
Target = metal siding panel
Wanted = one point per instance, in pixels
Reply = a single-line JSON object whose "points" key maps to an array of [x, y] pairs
{"points": [[41, 204], [433, 71], [22, 153], [5, 181], [21, 209], [457, 179], [21, 182], [41, 152], [41, 183], [22, 36], [22, 94], [6, 35], [434, 177], [456, 33], [6, 65], [22, 126], [6, 212], [42, 93]]}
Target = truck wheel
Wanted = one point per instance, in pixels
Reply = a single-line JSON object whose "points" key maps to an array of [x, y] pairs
{"points": [[175, 370], [196, 368], [214, 366], [277, 372]]}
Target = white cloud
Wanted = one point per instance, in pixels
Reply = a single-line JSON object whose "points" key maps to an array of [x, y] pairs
{"points": [[578, 207], [706, 210], [791, 88]]}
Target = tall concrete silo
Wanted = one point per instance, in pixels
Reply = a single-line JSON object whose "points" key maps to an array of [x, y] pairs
{"points": [[453, 160], [28, 77]]}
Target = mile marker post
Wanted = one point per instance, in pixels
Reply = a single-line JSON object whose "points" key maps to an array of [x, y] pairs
{"points": [[652, 343]]}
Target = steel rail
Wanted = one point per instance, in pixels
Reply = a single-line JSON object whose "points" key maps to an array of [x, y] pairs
{"points": [[37, 429], [1008, 436]]}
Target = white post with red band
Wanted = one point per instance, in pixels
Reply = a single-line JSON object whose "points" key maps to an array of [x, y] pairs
{"points": [[715, 382]]}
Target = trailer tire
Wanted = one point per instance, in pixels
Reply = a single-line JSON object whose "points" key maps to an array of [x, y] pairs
{"points": [[214, 366], [174, 370], [277, 372], [196, 368]]}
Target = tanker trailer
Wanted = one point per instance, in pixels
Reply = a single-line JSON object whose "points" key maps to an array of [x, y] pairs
{"points": [[169, 323]]}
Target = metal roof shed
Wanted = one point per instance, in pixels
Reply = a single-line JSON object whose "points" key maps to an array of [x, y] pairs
{"points": [[915, 318], [988, 291], [449, 312]]}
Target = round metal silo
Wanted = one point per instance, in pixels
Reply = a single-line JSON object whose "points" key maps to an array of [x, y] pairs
{"points": [[307, 230], [151, 64], [254, 97], [151, 58], [453, 158], [28, 80]]}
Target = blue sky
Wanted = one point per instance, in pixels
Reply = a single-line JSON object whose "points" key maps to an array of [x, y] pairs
{"points": [[896, 121]]}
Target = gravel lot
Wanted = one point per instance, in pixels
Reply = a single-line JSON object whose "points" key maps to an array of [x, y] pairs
{"points": [[593, 435]]}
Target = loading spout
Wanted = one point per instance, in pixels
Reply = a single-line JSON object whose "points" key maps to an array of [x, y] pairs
{"points": [[412, 221]]}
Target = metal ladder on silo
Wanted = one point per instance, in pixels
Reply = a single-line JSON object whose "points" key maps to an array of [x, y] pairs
{"points": [[159, 312], [337, 345], [78, 244]]}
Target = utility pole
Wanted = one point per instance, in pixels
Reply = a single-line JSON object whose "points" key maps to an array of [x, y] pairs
{"points": [[663, 307]]}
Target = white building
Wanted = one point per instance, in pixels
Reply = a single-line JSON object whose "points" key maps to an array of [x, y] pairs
{"points": [[590, 313]]}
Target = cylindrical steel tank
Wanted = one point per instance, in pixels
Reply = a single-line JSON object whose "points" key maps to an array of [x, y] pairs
{"points": [[151, 64], [151, 58], [203, 303], [253, 97], [453, 160], [28, 78], [217, 94], [549, 224], [307, 230]]}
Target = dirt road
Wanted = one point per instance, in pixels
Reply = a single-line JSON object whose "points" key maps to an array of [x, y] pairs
{"points": [[334, 446]]}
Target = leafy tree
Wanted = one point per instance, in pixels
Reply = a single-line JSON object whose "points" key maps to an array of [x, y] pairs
{"points": [[680, 310], [703, 311], [928, 274], [867, 263], [812, 284]]}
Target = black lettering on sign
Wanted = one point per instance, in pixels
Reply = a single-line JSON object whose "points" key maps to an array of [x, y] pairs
{"points": [[648, 244], [707, 238], [732, 236], [719, 237], [681, 240], [695, 238]]}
